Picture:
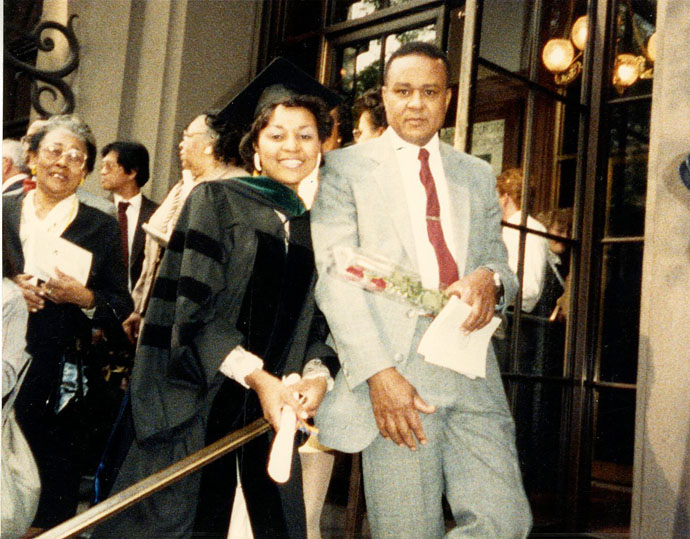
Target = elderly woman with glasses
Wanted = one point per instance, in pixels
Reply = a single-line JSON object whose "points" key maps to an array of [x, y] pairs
{"points": [[73, 280]]}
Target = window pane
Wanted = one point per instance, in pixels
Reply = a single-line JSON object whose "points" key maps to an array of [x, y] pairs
{"points": [[610, 494], [507, 34], [360, 68], [634, 53], [360, 63], [395, 41], [349, 10], [627, 181], [620, 316], [539, 427]]}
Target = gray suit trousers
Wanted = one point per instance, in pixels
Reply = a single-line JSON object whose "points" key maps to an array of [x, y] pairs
{"points": [[470, 457]]}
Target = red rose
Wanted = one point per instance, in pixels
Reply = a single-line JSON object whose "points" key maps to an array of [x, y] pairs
{"points": [[380, 284], [356, 271]]}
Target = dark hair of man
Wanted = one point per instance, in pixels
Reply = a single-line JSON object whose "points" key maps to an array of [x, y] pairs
{"points": [[226, 138], [324, 122], [419, 48], [371, 102], [131, 156], [73, 124]]}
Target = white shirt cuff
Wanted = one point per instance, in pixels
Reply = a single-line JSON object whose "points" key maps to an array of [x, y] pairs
{"points": [[316, 369], [239, 363]]}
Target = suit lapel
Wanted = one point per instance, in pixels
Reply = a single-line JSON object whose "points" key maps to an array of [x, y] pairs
{"points": [[139, 237], [392, 194], [460, 203]]}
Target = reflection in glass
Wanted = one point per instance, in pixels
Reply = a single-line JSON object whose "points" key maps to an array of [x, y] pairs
{"points": [[627, 174], [610, 493], [635, 49], [361, 67], [620, 312], [538, 426], [395, 41], [349, 10]]}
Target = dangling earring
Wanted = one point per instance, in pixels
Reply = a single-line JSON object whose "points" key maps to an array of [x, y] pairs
{"points": [[33, 170], [257, 162], [208, 150], [82, 180]]}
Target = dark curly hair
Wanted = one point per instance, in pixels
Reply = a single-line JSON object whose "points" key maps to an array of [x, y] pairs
{"points": [[324, 122], [226, 138], [371, 102]]}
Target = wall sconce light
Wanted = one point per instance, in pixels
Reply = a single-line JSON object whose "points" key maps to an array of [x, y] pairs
{"points": [[629, 68], [562, 57], [559, 54]]}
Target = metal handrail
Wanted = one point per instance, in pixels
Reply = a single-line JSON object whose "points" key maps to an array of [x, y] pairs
{"points": [[157, 481]]}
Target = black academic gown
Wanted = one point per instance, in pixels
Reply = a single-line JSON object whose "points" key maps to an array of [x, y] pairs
{"points": [[227, 278], [53, 333]]}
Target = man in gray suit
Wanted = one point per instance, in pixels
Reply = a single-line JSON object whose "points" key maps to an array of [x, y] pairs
{"points": [[424, 430]]}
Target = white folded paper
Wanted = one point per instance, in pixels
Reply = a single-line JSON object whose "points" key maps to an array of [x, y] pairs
{"points": [[444, 343], [57, 252]]}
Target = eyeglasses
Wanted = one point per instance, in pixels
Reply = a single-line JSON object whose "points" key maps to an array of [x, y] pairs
{"points": [[73, 158], [109, 166]]}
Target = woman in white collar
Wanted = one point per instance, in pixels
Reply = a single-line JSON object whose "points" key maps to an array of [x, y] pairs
{"points": [[73, 280]]}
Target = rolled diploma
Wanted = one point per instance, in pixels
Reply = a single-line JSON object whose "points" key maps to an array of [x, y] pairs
{"points": [[280, 459]]}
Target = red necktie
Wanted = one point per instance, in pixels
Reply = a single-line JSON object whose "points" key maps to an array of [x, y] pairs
{"points": [[447, 268], [122, 218]]}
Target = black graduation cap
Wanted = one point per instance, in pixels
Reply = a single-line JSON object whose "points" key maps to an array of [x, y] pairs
{"points": [[279, 79]]}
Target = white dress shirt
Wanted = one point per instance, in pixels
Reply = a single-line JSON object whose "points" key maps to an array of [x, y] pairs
{"points": [[38, 234], [410, 166], [536, 249]]}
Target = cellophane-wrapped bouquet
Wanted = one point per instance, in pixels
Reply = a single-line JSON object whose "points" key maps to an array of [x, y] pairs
{"points": [[378, 275]]}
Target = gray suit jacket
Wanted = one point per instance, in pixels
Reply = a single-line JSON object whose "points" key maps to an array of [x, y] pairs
{"points": [[361, 203]]}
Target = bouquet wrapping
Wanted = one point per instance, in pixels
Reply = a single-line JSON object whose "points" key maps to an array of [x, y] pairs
{"points": [[379, 275]]}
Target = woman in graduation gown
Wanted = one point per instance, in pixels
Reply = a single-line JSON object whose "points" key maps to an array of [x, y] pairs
{"points": [[231, 311], [63, 311]]}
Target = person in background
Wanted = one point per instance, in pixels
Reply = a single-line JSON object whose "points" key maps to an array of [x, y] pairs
{"points": [[370, 116], [20, 481], [208, 152], [84, 196], [14, 169], [558, 222], [424, 431], [542, 349], [73, 280], [214, 346], [509, 186], [124, 171]]}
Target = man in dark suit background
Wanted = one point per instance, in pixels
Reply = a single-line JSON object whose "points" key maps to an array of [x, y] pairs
{"points": [[14, 170], [124, 171]]}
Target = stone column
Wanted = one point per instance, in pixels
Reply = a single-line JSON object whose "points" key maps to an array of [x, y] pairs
{"points": [[661, 483]]}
